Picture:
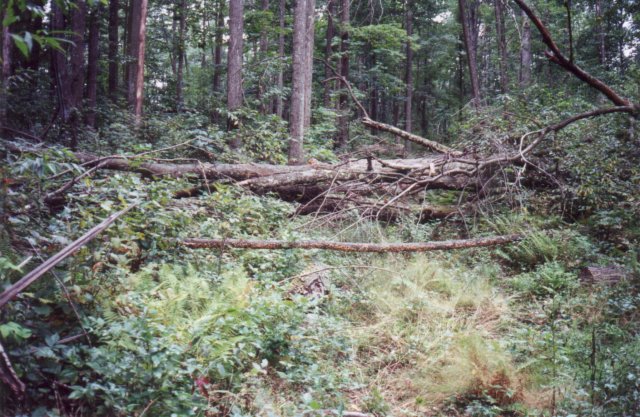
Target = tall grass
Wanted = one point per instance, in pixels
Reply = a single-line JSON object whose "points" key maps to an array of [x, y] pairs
{"points": [[427, 335]]}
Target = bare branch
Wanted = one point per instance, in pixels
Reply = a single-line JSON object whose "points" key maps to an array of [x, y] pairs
{"points": [[555, 55]]}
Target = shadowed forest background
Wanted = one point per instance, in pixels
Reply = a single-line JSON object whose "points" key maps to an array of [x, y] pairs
{"points": [[319, 208]]}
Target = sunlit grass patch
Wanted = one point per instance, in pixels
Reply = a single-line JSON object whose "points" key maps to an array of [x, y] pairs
{"points": [[432, 335]]}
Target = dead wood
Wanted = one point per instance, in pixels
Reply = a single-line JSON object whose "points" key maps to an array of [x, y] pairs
{"points": [[602, 275], [8, 374], [350, 246]]}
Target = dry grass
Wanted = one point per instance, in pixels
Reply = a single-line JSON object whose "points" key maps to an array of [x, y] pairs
{"points": [[428, 334]]}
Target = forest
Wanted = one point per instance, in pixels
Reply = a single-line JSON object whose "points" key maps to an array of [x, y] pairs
{"points": [[318, 208]]}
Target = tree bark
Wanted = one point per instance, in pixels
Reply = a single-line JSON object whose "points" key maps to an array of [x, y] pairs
{"points": [[92, 66], [350, 246], [525, 53], [114, 22], [298, 88], [137, 43], [328, 51], [471, 50], [309, 43], [502, 46], [343, 122], [234, 67], [408, 106]]}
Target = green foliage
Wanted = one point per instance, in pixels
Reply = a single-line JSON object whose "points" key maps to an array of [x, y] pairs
{"points": [[548, 279]]}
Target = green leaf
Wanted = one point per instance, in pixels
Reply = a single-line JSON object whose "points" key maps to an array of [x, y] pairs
{"points": [[20, 44]]}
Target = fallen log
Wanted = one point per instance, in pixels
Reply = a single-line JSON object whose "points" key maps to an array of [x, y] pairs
{"points": [[350, 246]]}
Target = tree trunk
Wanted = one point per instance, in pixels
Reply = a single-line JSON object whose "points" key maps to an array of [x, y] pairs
{"points": [[343, 123], [567, 5], [278, 103], [471, 50], [602, 50], [525, 53], [92, 66], [114, 22], [309, 43], [137, 51], [76, 55], [180, 53], [137, 41], [298, 88], [263, 53], [217, 54], [373, 94], [5, 73], [234, 67], [408, 106], [502, 46], [68, 68], [328, 52]]}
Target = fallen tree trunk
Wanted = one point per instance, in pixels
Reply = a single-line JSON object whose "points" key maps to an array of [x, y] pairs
{"points": [[350, 246]]}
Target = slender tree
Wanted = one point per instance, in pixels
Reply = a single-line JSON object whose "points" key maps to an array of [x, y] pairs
{"points": [[137, 43], [114, 23], [92, 66], [408, 106], [525, 53], [234, 66], [217, 53], [328, 51], [343, 123], [68, 66], [568, 6], [5, 73], [263, 52], [471, 50], [278, 103], [180, 54], [298, 88], [309, 40], [501, 39], [602, 49]]}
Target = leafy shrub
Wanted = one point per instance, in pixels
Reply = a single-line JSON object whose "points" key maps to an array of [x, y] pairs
{"points": [[136, 368], [547, 280]]}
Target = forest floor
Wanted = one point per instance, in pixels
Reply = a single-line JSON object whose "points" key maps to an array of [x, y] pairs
{"points": [[135, 323]]}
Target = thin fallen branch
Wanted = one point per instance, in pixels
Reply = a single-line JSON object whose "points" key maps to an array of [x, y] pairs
{"points": [[350, 246], [34, 275], [8, 374]]}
